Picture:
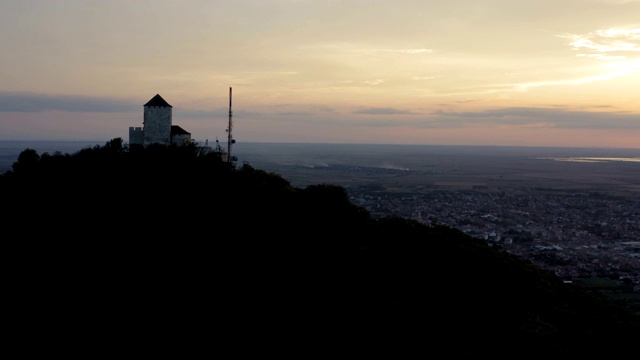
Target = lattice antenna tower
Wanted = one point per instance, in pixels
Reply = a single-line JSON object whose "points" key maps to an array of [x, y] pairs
{"points": [[230, 139]]}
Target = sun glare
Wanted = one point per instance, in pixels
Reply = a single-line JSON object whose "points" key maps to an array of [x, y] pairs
{"points": [[626, 67]]}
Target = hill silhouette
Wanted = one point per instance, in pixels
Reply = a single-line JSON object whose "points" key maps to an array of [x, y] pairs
{"points": [[173, 251]]}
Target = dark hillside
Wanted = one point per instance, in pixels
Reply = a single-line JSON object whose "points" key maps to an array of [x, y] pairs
{"points": [[171, 251]]}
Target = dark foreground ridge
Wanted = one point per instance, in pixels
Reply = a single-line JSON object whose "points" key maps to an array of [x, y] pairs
{"points": [[172, 251]]}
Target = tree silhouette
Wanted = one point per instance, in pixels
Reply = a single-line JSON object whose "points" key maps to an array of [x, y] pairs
{"points": [[27, 161], [167, 243]]}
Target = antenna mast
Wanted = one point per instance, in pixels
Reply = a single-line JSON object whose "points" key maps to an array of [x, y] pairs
{"points": [[230, 136]]}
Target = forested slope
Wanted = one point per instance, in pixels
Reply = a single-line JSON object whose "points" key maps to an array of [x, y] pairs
{"points": [[163, 250]]}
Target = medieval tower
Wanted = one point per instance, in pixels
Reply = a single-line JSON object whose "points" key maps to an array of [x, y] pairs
{"points": [[157, 121], [157, 126]]}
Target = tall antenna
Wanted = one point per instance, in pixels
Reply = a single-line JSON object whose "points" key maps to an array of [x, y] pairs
{"points": [[230, 136]]}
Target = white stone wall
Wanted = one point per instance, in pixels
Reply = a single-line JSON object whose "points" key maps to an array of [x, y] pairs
{"points": [[157, 125]]}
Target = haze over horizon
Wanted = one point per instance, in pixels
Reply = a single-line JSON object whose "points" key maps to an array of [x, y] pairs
{"points": [[562, 73]]}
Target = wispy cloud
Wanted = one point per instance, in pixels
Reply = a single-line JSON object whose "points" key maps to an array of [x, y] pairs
{"points": [[576, 81], [383, 111], [405, 51], [359, 48], [424, 77], [199, 114], [544, 117], [619, 49], [31, 102], [606, 44], [364, 82]]}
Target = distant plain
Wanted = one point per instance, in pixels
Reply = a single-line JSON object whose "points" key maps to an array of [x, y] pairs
{"points": [[421, 168], [424, 169]]}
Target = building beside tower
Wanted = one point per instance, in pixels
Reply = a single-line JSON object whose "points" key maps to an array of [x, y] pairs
{"points": [[158, 126]]}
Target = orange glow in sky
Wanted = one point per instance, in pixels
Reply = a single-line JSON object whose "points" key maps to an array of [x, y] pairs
{"points": [[459, 72]]}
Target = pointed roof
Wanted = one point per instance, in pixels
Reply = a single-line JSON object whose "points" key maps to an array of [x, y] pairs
{"points": [[157, 101], [177, 130]]}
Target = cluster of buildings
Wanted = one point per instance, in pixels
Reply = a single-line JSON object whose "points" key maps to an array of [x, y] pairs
{"points": [[574, 236]]}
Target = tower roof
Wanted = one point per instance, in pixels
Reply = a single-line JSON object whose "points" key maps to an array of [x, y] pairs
{"points": [[157, 101], [177, 130]]}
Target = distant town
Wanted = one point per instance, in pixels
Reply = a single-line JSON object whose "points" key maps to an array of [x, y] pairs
{"points": [[579, 219], [573, 236]]}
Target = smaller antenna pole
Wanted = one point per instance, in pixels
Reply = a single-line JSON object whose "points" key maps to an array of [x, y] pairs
{"points": [[230, 137]]}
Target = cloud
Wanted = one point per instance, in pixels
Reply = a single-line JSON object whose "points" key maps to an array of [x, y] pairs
{"points": [[382, 111], [601, 44], [619, 48], [406, 51], [623, 70], [198, 114], [619, 1], [373, 82], [540, 117], [295, 113], [31, 102]]}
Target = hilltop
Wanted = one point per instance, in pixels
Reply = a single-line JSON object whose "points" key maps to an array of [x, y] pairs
{"points": [[171, 249]]}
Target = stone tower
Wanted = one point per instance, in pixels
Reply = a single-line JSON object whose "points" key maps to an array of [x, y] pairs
{"points": [[157, 121]]}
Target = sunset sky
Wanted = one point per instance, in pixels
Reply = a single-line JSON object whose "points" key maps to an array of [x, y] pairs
{"points": [[459, 72]]}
